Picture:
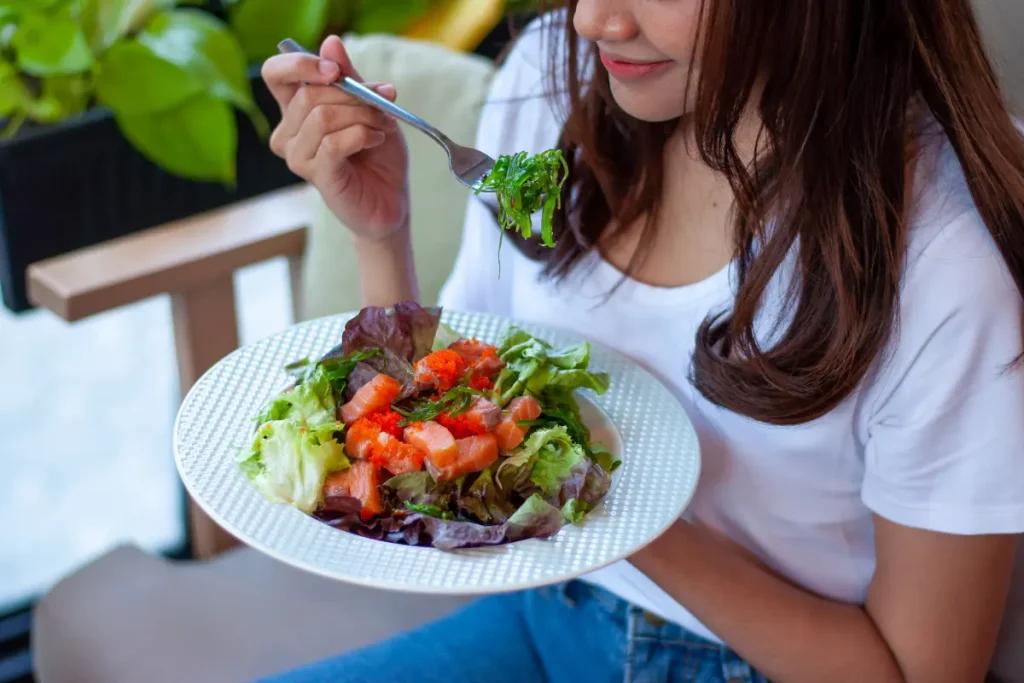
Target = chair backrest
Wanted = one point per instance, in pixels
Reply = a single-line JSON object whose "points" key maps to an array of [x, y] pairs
{"points": [[446, 88], [1002, 25]]}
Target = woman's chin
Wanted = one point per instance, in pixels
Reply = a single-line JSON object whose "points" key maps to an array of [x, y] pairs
{"points": [[653, 106]]}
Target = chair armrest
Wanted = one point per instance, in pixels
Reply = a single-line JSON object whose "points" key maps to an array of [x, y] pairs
{"points": [[193, 260], [174, 257]]}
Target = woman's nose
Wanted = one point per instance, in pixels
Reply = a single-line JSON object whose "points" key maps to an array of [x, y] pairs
{"points": [[609, 20]]}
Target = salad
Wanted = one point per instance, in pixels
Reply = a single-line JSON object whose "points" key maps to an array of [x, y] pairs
{"points": [[525, 184], [409, 432]]}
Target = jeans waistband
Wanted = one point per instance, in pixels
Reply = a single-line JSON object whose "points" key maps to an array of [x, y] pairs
{"points": [[641, 623]]}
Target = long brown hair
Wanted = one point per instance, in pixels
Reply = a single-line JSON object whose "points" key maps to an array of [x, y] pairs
{"points": [[840, 83]]}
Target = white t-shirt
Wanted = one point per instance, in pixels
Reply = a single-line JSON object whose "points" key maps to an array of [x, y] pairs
{"points": [[933, 438]]}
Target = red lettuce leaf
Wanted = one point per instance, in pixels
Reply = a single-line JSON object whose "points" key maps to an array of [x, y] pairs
{"points": [[403, 336], [535, 518]]}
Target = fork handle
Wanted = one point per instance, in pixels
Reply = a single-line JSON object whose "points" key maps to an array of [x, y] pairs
{"points": [[361, 92]]}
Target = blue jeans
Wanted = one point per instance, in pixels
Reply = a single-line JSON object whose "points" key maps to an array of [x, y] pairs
{"points": [[560, 634]]}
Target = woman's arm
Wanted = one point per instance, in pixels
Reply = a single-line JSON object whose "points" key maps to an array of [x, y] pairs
{"points": [[387, 272], [932, 614]]}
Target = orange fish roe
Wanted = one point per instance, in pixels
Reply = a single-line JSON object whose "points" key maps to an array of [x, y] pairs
{"points": [[387, 421], [481, 383], [460, 426], [443, 368], [366, 441]]}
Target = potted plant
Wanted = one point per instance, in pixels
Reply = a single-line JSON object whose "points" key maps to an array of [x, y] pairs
{"points": [[118, 115]]}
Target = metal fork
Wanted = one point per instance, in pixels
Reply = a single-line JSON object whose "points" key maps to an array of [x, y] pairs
{"points": [[469, 165]]}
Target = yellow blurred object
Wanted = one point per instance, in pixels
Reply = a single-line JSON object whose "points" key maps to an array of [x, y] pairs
{"points": [[458, 24]]}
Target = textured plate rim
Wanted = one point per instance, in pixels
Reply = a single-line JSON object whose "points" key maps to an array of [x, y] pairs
{"points": [[388, 585]]}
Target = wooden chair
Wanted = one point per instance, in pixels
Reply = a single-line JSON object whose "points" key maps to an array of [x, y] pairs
{"points": [[231, 616]]}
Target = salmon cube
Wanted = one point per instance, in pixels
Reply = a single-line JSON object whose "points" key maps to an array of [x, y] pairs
{"points": [[375, 395], [397, 457], [434, 441], [509, 432], [361, 481], [476, 453]]}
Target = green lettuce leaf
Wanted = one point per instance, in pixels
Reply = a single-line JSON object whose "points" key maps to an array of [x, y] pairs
{"points": [[444, 337], [288, 462], [533, 366], [574, 511], [603, 457], [311, 400], [550, 455]]}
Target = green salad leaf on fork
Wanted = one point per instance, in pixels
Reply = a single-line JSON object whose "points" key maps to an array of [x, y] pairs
{"points": [[525, 184]]}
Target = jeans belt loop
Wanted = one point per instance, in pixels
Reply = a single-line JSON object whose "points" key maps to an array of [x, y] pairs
{"points": [[653, 619]]}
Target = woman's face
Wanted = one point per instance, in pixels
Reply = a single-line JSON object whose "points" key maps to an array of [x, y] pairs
{"points": [[646, 46]]}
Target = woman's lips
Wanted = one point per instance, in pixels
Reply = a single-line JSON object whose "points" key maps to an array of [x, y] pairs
{"points": [[625, 69]]}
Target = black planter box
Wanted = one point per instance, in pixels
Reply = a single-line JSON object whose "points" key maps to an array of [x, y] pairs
{"points": [[80, 182]]}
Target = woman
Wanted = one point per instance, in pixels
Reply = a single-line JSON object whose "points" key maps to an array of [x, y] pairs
{"points": [[808, 218]]}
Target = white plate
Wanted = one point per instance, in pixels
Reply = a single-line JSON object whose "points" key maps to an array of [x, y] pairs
{"points": [[638, 418]]}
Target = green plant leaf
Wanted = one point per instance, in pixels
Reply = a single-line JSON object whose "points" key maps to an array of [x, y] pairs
{"points": [[375, 16], [201, 45], [14, 96], [47, 45], [33, 5], [197, 139], [261, 24], [132, 80], [61, 96], [107, 21]]}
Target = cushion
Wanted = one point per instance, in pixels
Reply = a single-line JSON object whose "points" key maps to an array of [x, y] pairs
{"points": [[1001, 22], [446, 88], [130, 616]]}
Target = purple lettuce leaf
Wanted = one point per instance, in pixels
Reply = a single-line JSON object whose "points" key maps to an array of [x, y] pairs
{"points": [[595, 485], [403, 336], [418, 488], [535, 518], [486, 501]]}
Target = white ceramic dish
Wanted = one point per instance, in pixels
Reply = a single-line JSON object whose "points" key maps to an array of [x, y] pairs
{"points": [[637, 418]]}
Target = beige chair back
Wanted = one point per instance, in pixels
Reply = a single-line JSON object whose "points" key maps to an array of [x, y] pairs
{"points": [[446, 88]]}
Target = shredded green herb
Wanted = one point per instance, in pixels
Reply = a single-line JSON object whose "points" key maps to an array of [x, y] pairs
{"points": [[526, 184], [455, 402], [428, 509]]}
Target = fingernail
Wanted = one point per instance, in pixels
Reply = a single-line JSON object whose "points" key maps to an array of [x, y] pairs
{"points": [[386, 89], [328, 68]]}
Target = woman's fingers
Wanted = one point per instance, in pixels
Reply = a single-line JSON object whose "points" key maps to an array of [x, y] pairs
{"points": [[333, 50], [285, 74], [338, 147], [310, 97], [326, 120]]}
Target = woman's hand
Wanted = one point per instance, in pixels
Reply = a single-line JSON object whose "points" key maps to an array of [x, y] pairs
{"points": [[932, 612], [352, 153]]}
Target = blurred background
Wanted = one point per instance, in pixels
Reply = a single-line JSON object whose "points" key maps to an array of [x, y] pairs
{"points": [[117, 116], [126, 120]]}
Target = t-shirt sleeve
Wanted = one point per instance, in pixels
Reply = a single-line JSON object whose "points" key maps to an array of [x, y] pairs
{"points": [[516, 116], [945, 436]]}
